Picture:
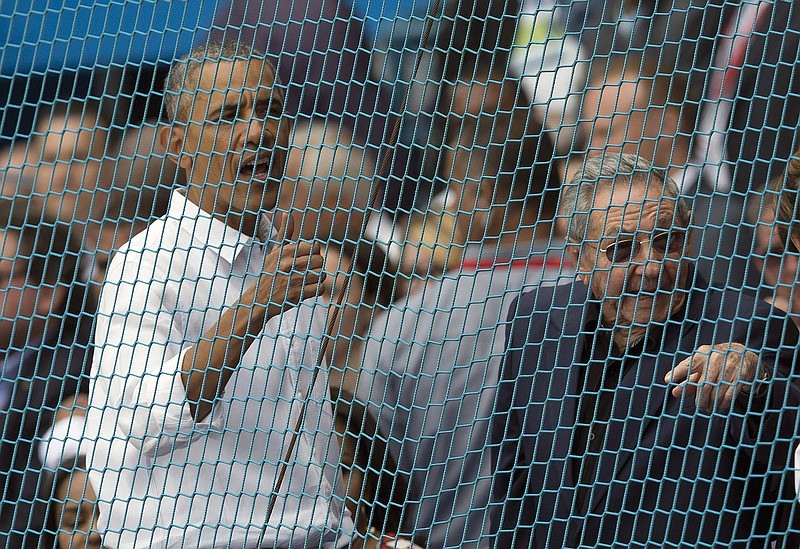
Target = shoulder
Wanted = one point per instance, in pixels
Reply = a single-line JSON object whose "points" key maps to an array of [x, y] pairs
{"points": [[545, 298], [157, 244], [731, 305], [741, 315], [403, 314]]}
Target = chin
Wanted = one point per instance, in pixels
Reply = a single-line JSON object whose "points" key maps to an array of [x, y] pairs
{"points": [[269, 204]]}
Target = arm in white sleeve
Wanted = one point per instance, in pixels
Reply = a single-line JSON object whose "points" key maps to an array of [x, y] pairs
{"points": [[140, 340]]}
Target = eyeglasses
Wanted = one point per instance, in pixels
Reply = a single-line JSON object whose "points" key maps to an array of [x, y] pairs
{"points": [[664, 242]]}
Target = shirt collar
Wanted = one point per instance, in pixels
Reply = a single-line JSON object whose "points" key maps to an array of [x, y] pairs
{"points": [[206, 230]]}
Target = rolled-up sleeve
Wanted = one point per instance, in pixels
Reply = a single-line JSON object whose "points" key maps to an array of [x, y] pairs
{"points": [[140, 344]]}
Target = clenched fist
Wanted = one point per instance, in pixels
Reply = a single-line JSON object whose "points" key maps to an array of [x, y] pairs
{"points": [[292, 272]]}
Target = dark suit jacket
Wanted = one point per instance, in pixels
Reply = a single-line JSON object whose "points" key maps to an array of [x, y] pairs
{"points": [[669, 474], [49, 372]]}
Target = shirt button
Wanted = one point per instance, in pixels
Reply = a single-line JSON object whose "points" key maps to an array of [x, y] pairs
{"points": [[591, 435], [299, 394]]}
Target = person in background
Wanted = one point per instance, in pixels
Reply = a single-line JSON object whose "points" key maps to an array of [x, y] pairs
{"points": [[374, 494], [637, 406], [61, 160], [332, 178], [629, 107], [71, 513], [142, 183], [492, 135], [777, 262], [785, 200], [46, 319], [207, 337], [369, 290], [431, 361], [328, 201]]}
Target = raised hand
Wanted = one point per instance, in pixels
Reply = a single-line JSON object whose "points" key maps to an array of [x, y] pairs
{"points": [[293, 271]]}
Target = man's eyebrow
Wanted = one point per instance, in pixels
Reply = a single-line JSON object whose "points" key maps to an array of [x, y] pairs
{"points": [[217, 111], [609, 232], [272, 95], [664, 223], [269, 101]]}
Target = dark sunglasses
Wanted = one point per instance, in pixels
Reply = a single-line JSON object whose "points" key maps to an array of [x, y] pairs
{"points": [[664, 242]]}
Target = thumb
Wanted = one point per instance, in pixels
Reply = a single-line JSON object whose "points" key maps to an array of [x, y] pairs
{"points": [[285, 223]]}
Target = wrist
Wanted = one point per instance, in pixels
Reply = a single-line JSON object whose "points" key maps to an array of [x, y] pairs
{"points": [[760, 384], [762, 381]]}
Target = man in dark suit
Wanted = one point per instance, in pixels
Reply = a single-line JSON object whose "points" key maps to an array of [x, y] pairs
{"points": [[44, 338], [637, 407]]}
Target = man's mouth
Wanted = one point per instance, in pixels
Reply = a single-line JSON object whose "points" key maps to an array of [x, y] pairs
{"points": [[643, 293], [255, 168]]}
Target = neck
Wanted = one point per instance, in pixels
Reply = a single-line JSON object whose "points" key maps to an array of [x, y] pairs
{"points": [[625, 338], [246, 223]]}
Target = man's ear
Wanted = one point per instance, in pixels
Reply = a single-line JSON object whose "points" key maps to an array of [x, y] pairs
{"points": [[172, 139], [687, 245], [574, 251]]}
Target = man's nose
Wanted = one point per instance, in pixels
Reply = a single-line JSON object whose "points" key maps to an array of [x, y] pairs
{"points": [[648, 260], [260, 133], [255, 132]]}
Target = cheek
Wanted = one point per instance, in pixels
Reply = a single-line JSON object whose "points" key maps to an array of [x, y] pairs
{"points": [[670, 272], [618, 285], [789, 270], [47, 178], [603, 283], [77, 176]]}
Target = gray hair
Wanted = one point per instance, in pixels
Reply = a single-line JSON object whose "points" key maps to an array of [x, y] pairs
{"points": [[577, 197], [184, 75]]}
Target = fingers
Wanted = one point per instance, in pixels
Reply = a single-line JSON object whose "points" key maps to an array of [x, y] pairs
{"points": [[293, 230], [680, 371], [294, 270], [301, 257], [689, 375], [314, 284], [687, 366], [713, 376], [688, 386], [283, 222]]}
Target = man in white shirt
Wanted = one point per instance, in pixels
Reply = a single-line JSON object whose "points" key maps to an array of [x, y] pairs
{"points": [[205, 345]]}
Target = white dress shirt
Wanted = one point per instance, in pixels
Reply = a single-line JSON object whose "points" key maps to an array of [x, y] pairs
{"points": [[166, 480]]}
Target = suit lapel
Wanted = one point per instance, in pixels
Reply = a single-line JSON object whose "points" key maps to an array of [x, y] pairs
{"points": [[567, 344]]}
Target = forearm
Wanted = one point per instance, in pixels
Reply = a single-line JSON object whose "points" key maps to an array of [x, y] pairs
{"points": [[208, 365]]}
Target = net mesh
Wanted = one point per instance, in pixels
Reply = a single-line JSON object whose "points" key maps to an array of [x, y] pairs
{"points": [[358, 273]]}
